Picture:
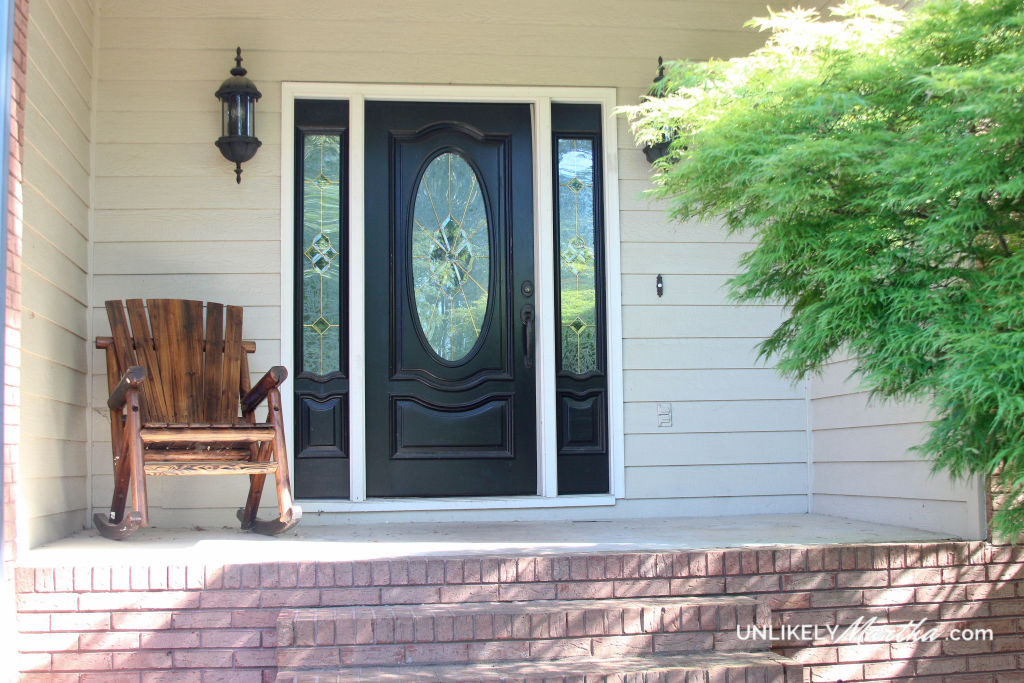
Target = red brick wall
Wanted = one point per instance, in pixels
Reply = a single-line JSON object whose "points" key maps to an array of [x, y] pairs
{"points": [[12, 331], [12, 324], [139, 621]]}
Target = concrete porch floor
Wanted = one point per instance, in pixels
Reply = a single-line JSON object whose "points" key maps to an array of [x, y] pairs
{"points": [[397, 540]]}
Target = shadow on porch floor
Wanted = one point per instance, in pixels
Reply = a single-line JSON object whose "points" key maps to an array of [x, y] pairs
{"points": [[397, 540]]}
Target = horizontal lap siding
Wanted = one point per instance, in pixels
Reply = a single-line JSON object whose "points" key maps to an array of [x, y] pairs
{"points": [[737, 443], [865, 468], [170, 221], [54, 394]]}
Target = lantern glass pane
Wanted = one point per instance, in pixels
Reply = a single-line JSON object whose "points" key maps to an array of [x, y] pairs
{"points": [[238, 115], [225, 123], [250, 117]]}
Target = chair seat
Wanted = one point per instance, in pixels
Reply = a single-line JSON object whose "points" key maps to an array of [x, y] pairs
{"points": [[203, 425], [207, 433], [209, 467], [176, 452]]}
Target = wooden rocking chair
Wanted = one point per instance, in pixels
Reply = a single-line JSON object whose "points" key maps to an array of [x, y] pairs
{"points": [[180, 404]]}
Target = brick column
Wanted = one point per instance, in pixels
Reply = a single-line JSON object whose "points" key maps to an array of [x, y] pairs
{"points": [[12, 323]]}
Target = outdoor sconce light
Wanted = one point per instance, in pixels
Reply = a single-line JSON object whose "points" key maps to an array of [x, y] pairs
{"points": [[655, 151], [238, 95]]}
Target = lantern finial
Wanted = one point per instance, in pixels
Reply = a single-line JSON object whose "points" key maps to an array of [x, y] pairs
{"points": [[239, 71]]}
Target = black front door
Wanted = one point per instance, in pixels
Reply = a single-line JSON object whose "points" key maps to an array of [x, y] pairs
{"points": [[450, 386]]}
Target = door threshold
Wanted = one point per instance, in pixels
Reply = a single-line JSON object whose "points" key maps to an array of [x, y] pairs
{"points": [[468, 503]]}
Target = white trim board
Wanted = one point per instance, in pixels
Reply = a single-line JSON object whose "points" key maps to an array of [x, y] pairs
{"points": [[540, 98]]}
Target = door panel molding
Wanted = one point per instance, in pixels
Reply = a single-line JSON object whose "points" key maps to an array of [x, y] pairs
{"points": [[583, 415], [486, 422], [323, 417], [470, 382], [541, 99]]}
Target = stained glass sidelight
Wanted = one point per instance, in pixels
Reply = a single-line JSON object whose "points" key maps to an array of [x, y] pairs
{"points": [[577, 263], [321, 237], [450, 256]]}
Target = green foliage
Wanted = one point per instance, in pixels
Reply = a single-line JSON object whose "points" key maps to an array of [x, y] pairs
{"points": [[878, 156]]}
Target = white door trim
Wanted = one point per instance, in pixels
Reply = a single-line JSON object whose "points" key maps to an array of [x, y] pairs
{"points": [[540, 98]]}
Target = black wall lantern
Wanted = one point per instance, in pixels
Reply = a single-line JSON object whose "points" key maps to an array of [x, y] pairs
{"points": [[656, 150], [238, 95]]}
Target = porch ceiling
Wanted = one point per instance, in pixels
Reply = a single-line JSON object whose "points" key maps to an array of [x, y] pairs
{"points": [[397, 540]]}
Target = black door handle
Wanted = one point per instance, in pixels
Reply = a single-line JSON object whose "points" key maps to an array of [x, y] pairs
{"points": [[527, 317]]}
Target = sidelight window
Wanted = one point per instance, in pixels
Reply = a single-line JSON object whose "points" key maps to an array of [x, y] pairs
{"points": [[320, 385], [581, 378]]}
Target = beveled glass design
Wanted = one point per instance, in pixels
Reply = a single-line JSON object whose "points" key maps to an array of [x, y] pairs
{"points": [[450, 256], [321, 272], [576, 257]]}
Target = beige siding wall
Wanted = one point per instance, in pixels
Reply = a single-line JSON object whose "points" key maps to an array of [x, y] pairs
{"points": [[864, 468], [170, 221], [54, 394], [738, 439]]}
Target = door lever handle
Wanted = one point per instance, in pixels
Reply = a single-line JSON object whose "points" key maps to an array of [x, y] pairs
{"points": [[526, 315]]}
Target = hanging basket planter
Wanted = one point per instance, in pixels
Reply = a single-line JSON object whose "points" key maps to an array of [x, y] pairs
{"points": [[656, 150]]}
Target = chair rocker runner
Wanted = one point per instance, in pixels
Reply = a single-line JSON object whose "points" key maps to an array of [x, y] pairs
{"points": [[181, 404]]}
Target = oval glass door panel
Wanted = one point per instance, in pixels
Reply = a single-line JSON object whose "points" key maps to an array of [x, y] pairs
{"points": [[450, 256]]}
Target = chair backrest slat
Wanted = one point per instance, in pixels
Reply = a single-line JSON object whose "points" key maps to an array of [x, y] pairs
{"points": [[119, 330], [232, 364], [191, 316], [166, 337], [155, 406], [124, 349], [213, 369], [193, 367]]}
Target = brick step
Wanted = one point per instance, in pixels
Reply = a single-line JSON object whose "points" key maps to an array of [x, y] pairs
{"points": [[512, 631], [748, 667]]}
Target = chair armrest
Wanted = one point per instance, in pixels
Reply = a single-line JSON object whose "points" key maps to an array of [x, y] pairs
{"points": [[132, 381], [274, 378]]}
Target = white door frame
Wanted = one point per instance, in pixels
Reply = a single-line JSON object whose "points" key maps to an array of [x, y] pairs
{"points": [[547, 448]]}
